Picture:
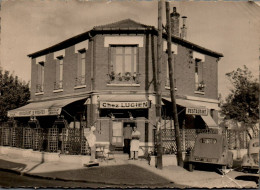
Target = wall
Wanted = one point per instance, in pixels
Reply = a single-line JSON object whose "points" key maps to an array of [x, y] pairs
{"points": [[184, 72], [69, 74]]}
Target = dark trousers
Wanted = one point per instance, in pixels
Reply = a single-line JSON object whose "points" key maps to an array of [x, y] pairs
{"points": [[127, 146]]}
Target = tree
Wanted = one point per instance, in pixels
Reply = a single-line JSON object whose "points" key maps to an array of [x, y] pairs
{"points": [[242, 104], [13, 93]]}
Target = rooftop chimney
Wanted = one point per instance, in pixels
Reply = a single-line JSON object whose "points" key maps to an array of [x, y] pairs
{"points": [[184, 28], [175, 22]]}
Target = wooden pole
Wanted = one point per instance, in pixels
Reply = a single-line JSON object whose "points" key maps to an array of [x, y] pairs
{"points": [[158, 90], [172, 87]]}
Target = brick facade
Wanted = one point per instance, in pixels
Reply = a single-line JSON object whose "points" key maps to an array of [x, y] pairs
{"points": [[97, 69]]}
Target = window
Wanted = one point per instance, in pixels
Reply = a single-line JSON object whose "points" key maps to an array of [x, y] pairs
{"points": [[208, 141], [199, 83], [123, 66], [40, 77], [59, 74], [81, 68]]}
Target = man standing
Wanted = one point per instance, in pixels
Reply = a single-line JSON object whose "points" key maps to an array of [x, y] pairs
{"points": [[91, 139], [127, 138], [135, 144]]}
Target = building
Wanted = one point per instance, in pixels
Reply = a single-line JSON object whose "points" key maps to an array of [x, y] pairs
{"points": [[104, 77]]}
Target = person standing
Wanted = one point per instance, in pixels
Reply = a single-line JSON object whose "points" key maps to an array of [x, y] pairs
{"points": [[91, 139], [135, 143], [127, 133]]}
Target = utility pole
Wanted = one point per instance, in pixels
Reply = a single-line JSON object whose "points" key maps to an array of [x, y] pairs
{"points": [[172, 86], [158, 88]]}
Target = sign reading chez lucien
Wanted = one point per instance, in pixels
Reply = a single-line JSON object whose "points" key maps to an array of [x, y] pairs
{"points": [[197, 111], [124, 105]]}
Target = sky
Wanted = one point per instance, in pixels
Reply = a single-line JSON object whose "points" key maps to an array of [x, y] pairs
{"points": [[230, 28]]}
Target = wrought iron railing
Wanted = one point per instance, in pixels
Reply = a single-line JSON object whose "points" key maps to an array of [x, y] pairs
{"points": [[58, 85], [39, 88], [80, 80], [126, 78]]}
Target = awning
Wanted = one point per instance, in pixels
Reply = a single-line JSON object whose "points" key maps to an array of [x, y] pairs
{"points": [[209, 121], [52, 107], [191, 109]]}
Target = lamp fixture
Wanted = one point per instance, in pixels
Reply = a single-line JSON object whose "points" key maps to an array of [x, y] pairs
{"points": [[130, 116], [112, 116]]}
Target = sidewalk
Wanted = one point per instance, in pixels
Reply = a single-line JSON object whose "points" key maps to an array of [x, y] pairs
{"points": [[124, 172]]}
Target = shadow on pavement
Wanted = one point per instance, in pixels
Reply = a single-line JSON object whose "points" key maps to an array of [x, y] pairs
{"points": [[121, 174], [204, 167], [12, 165], [248, 178]]}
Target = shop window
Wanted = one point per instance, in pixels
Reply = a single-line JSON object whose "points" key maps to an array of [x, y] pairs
{"points": [[58, 84], [123, 66], [199, 82], [40, 77], [81, 68]]}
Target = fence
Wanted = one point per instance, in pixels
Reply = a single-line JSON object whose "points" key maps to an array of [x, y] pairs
{"points": [[238, 138], [69, 141], [187, 136], [235, 138], [72, 141]]}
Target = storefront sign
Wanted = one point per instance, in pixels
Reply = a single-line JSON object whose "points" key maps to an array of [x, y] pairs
{"points": [[41, 112], [197, 111], [124, 105]]}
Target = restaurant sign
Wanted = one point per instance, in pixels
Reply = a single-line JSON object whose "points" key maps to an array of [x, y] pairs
{"points": [[124, 105], [39, 112], [197, 111]]}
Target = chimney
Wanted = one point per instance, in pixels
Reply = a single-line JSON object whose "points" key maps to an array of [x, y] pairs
{"points": [[184, 28], [175, 22]]}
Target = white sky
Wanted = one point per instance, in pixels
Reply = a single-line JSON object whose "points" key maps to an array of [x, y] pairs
{"points": [[231, 28]]}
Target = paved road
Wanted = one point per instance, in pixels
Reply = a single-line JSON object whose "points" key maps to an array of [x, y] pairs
{"points": [[13, 180]]}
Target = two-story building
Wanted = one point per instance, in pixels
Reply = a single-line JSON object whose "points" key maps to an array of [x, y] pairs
{"points": [[105, 77]]}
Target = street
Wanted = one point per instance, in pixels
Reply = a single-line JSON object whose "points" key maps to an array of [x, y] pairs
{"points": [[13, 180]]}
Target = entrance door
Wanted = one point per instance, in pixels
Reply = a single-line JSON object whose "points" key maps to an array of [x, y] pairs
{"points": [[117, 134]]}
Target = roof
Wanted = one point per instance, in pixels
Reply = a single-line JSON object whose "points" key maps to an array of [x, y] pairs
{"points": [[123, 24], [126, 26]]}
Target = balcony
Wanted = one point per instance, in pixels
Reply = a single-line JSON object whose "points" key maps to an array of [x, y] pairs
{"points": [[80, 82], [126, 79], [58, 86]]}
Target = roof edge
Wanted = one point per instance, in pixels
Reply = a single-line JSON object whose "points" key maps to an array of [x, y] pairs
{"points": [[91, 33]]}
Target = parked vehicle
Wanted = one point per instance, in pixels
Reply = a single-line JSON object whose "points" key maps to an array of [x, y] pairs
{"points": [[251, 159], [211, 149]]}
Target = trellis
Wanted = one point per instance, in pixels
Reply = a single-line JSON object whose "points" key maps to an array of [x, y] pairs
{"points": [[38, 139], [53, 140]]}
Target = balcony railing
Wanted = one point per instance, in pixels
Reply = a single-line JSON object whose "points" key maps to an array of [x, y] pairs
{"points": [[39, 88], [80, 80], [58, 85], [126, 78]]}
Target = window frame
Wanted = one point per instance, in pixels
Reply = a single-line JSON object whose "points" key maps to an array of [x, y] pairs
{"points": [[199, 76], [80, 80], [123, 75], [58, 84], [40, 77]]}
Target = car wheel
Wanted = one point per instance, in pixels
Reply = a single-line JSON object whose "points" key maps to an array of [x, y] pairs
{"points": [[191, 167]]}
